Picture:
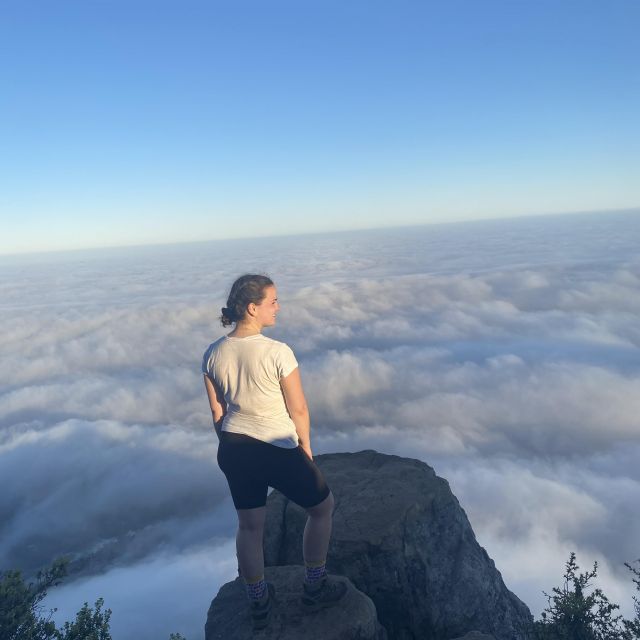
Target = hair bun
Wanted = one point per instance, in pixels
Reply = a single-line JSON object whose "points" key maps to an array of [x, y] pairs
{"points": [[227, 317], [229, 312]]}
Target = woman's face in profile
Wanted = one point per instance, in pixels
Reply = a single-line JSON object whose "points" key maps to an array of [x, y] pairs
{"points": [[267, 310]]}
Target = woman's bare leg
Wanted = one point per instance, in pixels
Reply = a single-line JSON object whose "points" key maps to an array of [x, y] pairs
{"points": [[249, 541], [317, 531]]}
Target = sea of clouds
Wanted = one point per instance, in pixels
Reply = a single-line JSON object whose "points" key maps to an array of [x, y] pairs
{"points": [[502, 353]]}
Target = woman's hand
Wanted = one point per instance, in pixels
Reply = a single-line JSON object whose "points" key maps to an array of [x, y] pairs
{"points": [[307, 449]]}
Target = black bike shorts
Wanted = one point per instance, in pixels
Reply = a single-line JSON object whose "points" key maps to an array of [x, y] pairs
{"points": [[252, 466]]}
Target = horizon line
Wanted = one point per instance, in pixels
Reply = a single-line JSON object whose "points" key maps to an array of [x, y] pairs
{"points": [[98, 248]]}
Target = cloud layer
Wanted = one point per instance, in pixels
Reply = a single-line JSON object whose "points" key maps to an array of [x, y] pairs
{"points": [[502, 353]]}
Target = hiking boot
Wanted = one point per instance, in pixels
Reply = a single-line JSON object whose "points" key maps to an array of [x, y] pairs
{"points": [[327, 592], [261, 609]]}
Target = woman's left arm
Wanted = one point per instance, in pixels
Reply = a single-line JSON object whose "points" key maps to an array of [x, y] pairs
{"points": [[217, 403]]}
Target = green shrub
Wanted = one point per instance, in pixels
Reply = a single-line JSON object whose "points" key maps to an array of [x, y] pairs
{"points": [[574, 614], [20, 609], [22, 616]]}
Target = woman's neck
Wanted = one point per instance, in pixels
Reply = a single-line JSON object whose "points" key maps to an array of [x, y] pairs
{"points": [[244, 329]]}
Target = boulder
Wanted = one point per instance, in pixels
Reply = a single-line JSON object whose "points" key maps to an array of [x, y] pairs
{"points": [[353, 618], [402, 538]]}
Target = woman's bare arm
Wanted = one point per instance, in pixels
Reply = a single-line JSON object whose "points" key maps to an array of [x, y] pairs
{"points": [[217, 403], [297, 408]]}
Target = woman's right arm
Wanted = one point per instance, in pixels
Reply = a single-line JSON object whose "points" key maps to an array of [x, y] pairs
{"points": [[217, 403], [297, 408]]}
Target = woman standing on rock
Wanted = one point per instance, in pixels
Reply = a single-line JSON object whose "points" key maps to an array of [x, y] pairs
{"points": [[262, 421]]}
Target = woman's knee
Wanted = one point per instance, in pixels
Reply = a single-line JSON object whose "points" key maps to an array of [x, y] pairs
{"points": [[251, 519], [324, 508]]}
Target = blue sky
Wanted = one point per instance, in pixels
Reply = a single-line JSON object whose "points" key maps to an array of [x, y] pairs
{"points": [[145, 122]]}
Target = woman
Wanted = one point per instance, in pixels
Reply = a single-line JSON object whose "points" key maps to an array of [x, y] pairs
{"points": [[261, 418]]}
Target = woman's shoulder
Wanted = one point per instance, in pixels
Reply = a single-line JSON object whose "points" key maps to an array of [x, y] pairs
{"points": [[208, 355], [276, 344], [216, 343], [276, 350], [213, 347]]}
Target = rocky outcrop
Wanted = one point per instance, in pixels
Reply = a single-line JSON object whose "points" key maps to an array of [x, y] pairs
{"points": [[402, 538], [353, 618]]}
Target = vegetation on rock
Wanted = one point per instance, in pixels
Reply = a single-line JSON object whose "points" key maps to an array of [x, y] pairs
{"points": [[22, 616], [574, 614]]}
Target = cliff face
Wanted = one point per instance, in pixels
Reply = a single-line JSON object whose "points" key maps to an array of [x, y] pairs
{"points": [[401, 537]]}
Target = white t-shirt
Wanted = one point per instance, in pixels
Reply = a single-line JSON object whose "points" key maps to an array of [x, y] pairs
{"points": [[248, 371]]}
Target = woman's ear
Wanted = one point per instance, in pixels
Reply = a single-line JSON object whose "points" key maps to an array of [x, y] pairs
{"points": [[251, 309]]}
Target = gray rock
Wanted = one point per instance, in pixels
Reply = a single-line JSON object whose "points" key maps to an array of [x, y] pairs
{"points": [[400, 535], [475, 635], [353, 618]]}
